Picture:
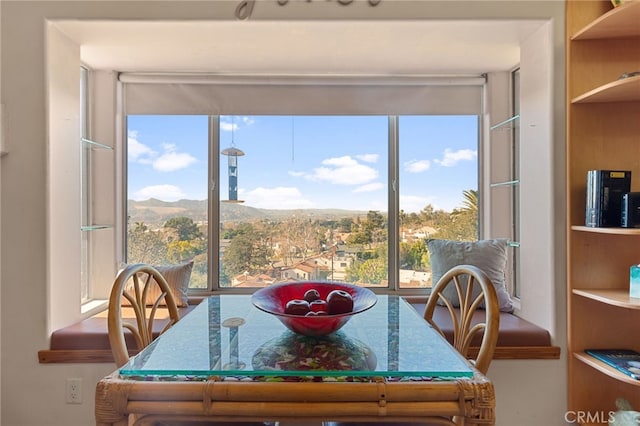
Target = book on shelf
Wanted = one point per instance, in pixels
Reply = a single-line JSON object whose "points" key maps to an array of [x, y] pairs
{"points": [[605, 189], [626, 361]]}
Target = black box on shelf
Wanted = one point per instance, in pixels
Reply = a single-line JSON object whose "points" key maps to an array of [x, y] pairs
{"points": [[631, 210], [605, 189]]}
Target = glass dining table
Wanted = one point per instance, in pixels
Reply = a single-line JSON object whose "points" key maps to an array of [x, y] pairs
{"points": [[229, 361]]}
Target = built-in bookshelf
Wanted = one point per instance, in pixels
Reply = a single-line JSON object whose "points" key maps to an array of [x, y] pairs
{"points": [[603, 133]]}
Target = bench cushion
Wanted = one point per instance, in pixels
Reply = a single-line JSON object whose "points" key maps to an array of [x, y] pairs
{"points": [[92, 333], [514, 331]]}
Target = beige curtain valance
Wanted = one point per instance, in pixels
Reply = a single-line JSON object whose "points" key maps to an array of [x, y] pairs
{"points": [[319, 95]]}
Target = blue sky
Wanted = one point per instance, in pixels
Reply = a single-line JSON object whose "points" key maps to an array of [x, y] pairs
{"points": [[307, 161]]}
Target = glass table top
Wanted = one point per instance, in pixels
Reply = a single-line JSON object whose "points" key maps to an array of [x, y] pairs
{"points": [[226, 336]]}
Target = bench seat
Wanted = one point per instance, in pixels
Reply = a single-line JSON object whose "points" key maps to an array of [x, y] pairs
{"points": [[514, 331], [88, 340], [92, 333]]}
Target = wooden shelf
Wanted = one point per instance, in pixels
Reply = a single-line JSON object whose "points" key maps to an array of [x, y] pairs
{"points": [[624, 90], [614, 297], [611, 231], [620, 22], [602, 43], [604, 368]]}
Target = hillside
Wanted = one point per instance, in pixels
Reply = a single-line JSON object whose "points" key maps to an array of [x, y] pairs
{"points": [[155, 212]]}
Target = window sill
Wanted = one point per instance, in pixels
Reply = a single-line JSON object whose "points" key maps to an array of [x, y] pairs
{"points": [[88, 340], [93, 307]]}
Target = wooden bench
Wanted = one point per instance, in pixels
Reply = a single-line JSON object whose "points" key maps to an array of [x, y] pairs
{"points": [[517, 338], [88, 342]]}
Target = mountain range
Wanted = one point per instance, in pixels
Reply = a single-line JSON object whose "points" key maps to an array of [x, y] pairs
{"points": [[156, 212]]}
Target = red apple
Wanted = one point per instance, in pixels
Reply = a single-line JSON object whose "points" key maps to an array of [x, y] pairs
{"points": [[339, 302], [318, 305], [296, 307], [311, 295]]}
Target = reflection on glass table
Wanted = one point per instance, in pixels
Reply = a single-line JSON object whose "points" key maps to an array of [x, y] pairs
{"points": [[226, 335]]}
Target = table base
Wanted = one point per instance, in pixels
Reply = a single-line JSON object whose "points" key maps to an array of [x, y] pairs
{"points": [[471, 399]]}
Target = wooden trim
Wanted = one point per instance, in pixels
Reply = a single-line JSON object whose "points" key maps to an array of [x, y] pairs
{"points": [[87, 356], [76, 356], [522, 352]]}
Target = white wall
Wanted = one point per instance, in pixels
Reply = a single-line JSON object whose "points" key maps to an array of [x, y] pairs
{"points": [[1, 146], [33, 394], [63, 183]]}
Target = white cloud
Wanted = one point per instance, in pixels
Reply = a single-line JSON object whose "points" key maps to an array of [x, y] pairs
{"points": [[343, 171], [136, 150], [161, 192], [417, 166], [368, 158], [370, 187], [452, 158], [228, 126], [344, 161], [171, 160], [276, 198], [414, 203]]}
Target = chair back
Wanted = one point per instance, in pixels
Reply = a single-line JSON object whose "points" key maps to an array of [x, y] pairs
{"points": [[465, 280], [141, 289]]}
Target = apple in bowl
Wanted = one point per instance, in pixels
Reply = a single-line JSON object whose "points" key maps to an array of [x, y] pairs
{"points": [[341, 302]]}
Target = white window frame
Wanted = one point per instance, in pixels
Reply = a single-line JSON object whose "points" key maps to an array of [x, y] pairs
{"points": [[139, 104]]}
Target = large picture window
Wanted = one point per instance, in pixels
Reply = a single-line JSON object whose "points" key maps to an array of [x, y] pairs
{"points": [[300, 197], [261, 180]]}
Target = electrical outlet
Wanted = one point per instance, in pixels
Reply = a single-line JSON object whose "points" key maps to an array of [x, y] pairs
{"points": [[74, 391]]}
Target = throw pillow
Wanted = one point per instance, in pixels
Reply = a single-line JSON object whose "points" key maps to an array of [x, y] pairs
{"points": [[488, 255], [178, 277]]}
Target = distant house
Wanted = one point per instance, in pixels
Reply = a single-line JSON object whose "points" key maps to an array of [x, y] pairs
{"points": [[415, 279], [410, 235], [314, 268], [246, 280]]}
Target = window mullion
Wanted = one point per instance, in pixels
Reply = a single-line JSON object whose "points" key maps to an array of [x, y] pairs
{"points": [[393, 208], [213, 193]]}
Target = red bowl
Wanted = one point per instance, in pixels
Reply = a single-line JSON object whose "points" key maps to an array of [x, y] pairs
{"points": [[273, 300]]}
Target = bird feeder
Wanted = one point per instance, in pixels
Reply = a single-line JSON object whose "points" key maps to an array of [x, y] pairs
{"points": [[232, 154]]}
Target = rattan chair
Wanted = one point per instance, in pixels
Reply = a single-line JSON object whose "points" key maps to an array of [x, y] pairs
{"points": [[142, 289], [465, 280], [146, 291]]}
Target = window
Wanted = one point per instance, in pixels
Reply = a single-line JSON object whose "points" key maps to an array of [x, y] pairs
{"points": [[85, 192], [95, 161], [300, 197], [365, 142], [438, 181], [515, 164], [167, 175]]}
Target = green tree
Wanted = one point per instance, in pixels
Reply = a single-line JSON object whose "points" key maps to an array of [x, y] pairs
{"points": [[462, 223], [375, 226], [247, 252], [186, 228], [145, 245], [413, 255], [470, 202], [373, 271], [179, 251]]}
